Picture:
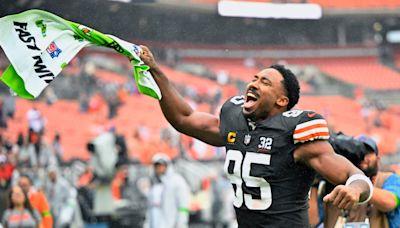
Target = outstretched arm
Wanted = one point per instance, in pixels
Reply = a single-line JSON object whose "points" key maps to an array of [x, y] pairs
{"points": [[178, 112], [335, 168]]}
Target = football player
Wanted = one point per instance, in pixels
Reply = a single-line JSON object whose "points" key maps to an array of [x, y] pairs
{"points": [[272, 152]]}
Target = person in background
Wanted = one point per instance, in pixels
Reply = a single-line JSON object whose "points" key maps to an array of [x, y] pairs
{"points": [[20, 214], [9, 106], [6, 171], [58, 149], [37, 199], [383, 210], [36, 121], [386, 196], [60, 195], [272, 152], [168, 197]]}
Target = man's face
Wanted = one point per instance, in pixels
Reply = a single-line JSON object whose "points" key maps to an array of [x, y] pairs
{"points": [[370, 164], [264, 93], [25, 184], [53, 176], [160, 169]]}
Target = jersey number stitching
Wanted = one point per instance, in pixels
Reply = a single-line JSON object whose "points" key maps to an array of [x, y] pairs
{"points": [[241, 173], [292, 113], [237, 100]]}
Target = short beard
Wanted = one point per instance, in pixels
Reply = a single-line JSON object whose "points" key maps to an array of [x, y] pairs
{"points": [[371, 171]]}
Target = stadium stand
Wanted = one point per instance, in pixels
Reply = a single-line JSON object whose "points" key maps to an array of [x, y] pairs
{"points": [[344, 114], [364, 4], [236, 69], [337, 4], [366, 72], [108, 76], [342, 49]]}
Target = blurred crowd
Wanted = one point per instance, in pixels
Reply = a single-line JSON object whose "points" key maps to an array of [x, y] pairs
{"points": [[181, 184], [39, 189]]}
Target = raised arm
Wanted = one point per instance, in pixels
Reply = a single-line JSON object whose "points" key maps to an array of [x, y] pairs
{"points": [[178, 112], [335, 168]]}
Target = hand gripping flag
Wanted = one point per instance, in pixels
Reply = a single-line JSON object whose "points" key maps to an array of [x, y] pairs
{"points": [[40, 44]]}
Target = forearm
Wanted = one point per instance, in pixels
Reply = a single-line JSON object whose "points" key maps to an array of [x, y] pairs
{"points": [[336, 169], [178, 112], [347, 173], [384, 200], [172, 104]]}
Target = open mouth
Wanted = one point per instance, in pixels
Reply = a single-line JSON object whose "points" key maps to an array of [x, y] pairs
{"points": [[251, 99]]}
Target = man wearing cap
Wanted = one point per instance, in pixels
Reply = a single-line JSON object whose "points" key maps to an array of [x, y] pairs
{"points": [[383, 210], [168, 197], [386, 196]]}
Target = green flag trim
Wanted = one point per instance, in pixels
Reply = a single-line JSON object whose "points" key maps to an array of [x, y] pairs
{"points": [[11, 78]]}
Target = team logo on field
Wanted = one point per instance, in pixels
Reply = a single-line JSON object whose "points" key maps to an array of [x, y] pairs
{"points": [[247, 139], [231, 137], [53, 50], [265, 144]]}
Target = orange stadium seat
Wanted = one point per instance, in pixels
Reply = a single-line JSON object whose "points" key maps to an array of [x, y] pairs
{"points": [[202, 85], [344, 114], [78, 128], [236, 70], [108, 76], [366, 72]]}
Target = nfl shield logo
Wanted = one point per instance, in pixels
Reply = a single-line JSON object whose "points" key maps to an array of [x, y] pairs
{"points": [[53, 50], [247, 139], [136, 49]]}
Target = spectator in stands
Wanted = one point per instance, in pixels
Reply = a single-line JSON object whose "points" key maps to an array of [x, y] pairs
{"points": [[83, 103], [168, 197], [60, 196], [20, 213], [3, 120], [37, 199], [365, 113], [6, 170], [9, 106], [112, 103], [122, 149], [119, 180], [50, 96], [57, 149], [36, 121], [36, 154]]}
